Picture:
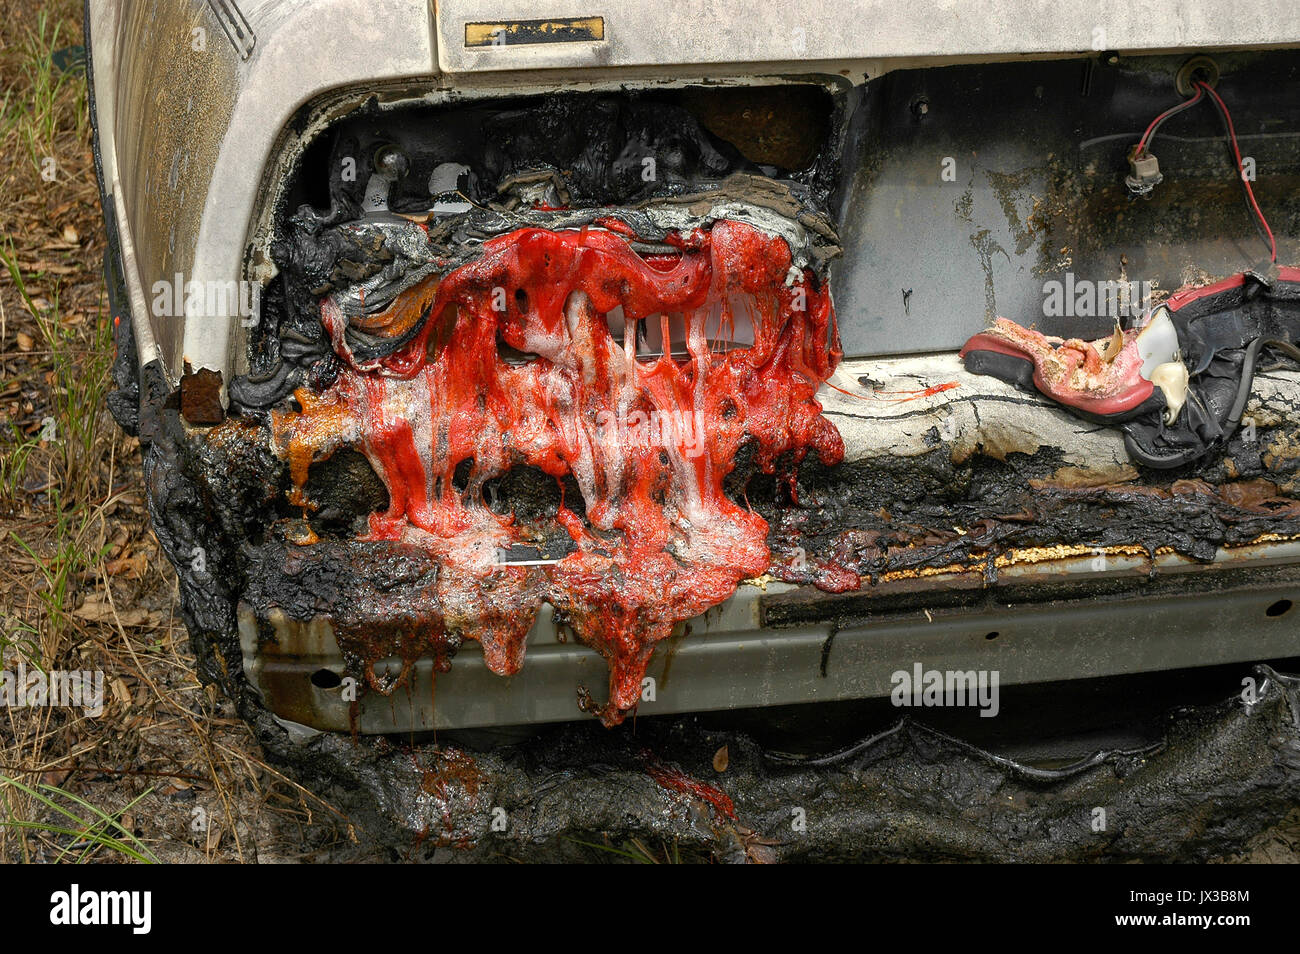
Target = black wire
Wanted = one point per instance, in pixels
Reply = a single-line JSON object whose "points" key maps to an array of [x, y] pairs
{"points": [[1243, 386], [1248, 376], [1150, 137]]}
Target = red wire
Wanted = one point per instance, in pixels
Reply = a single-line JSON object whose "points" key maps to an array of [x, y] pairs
{"points": [[1142, 143], [1236, 150]]}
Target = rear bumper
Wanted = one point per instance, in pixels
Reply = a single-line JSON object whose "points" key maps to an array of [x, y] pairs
{"points": [[779, 644], [1080, 609]]}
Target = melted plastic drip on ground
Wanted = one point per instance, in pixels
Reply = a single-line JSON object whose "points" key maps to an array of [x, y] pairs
{"points": [[675, 780], [649, 442]]}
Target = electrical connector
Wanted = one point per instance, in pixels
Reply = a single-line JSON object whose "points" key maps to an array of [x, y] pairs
{"points": [[1144, 173]]}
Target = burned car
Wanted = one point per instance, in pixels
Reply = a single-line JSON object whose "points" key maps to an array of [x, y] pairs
{"points": [[668, 386]]}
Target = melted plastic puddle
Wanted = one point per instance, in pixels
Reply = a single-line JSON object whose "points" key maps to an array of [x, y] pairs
{"points": [[517, 365]]}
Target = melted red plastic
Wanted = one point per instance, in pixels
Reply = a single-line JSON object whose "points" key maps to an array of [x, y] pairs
{"points": [[649, 442], [1074, 371], [675, 780]]}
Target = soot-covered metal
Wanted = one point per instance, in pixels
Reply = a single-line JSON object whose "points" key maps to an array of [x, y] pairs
{"points": [[592, 330]]}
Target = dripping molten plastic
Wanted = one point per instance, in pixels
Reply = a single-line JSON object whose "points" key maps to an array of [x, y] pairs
{"points": [[661, 541]]}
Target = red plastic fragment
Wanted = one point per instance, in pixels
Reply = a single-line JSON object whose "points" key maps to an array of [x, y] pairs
{"points": [[1101, 377]]}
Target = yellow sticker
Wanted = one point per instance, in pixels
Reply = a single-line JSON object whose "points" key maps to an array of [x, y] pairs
{"points": [[524, 32]]}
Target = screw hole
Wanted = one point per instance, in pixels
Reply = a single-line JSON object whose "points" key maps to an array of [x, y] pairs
{"points": [[326, 679], [1278, 608], [992, 635]]}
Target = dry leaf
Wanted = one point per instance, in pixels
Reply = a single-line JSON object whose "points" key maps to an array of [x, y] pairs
{"points": [[95, 611], [70, 235], [121, 693], [758, 850], [133, 566], [720, 759], [49, 268], [25, 341]]}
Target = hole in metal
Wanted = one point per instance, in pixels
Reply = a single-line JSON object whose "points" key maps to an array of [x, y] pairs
{"points": [[326, 679], [1278, 608]]}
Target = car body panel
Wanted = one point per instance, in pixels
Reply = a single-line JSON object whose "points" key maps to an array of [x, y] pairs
{"points": [[194, 131]]}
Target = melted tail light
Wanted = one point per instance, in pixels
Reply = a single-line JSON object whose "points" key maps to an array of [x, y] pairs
{"points": [[511, 361]]}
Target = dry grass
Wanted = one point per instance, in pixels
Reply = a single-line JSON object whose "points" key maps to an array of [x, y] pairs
{"points": [[166, 771]]}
